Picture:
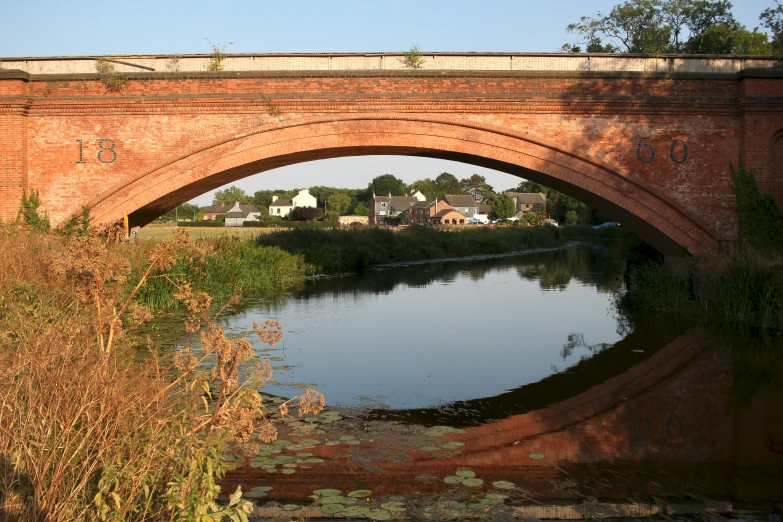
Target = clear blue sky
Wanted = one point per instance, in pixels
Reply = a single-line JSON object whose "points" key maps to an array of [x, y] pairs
{"points": [[59, 28]]}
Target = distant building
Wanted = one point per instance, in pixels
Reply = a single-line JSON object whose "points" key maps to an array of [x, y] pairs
{"points": [[463, 203], [485, 210], [421, 212], [528, 201], [281, 207], [448, 216], [238, 214], [213, 211], [382, 207], [353, 220]]}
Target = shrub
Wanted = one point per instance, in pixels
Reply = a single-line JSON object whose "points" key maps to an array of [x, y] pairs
{"points": [[761, 220]]}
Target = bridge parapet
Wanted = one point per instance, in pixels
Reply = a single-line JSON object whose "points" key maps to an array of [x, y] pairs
{"points": [[544, 62]]}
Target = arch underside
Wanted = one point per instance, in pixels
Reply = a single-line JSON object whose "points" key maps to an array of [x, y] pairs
{"points": [[658, 221]]}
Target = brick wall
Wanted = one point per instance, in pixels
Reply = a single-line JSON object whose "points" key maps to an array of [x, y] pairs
{"points": [[165, 139]]}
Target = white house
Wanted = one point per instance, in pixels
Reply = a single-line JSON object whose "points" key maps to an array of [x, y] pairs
{"points": [[238, 214], [281, 207]]}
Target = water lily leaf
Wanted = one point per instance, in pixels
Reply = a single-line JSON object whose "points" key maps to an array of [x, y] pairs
{"points": [[289, 465], [304, 454], [347, 437], [288, 471], [379, 514], [360, 493], [476, 505], [336, 499], [453, 480], [281, 442], [465, 472], [394, 506], [255, 494], [353, 442], [450, 514], [452, 445], [504, 484], [314, 460], [429, 448], [496, 496], [327, 492], [331, 509], [332, 442], [290, 507], [536, 456], [472, 482], [355, 511]]}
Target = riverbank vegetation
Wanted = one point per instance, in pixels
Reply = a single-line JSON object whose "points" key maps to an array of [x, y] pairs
{"points": [[94, 425], [335, 250], [743, 286]]}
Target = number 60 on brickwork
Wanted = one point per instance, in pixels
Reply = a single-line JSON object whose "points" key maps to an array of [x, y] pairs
{"points": [[105, 154], [646, 153]]}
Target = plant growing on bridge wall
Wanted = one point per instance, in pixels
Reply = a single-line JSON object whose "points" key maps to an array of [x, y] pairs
{"points": [[218, 55], [412, 58], [761, 220], [108, 74], [173, 62], [272, 108], [28, 212]]}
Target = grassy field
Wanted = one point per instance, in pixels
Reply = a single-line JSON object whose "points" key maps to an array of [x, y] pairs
{"points": [[160, 232]]}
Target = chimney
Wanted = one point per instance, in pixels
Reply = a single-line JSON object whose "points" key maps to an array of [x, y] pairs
{"points": [[412, 190], [274, 198], [373, 194], [389, 195]]}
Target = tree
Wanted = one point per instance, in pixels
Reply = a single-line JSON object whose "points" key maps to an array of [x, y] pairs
{"points": [[339, 202], [230, 196], [446, 183], [361, 210], [772, 19], [184, 211], [387, 184], [503, 207], [669, 26], [477, 186], [306, 213], [412, 58]]}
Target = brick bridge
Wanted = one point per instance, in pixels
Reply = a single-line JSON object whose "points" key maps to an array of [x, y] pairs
{"points": [[648, 140]]}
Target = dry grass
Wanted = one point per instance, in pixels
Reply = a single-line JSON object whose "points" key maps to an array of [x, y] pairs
{"points": [[89, 428]]}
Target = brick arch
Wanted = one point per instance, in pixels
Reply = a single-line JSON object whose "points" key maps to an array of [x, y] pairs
{"points": [[643, 208]]}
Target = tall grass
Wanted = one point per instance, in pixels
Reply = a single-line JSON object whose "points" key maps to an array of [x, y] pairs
{"points": [[742, 288], [229, 267], [356, 250]]}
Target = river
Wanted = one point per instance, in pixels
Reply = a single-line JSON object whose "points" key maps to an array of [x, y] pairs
{"points": [[510, 387]]}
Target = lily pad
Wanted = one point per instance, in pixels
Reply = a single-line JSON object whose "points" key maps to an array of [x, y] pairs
{"points": [[536, 456], [331, 509], [453, 480], [327, 492], [353, 442], [360, 493], [504, 484], [288, 471], [355, 511], [429, 448], [465, 473], [394, 506], [289, 465], [290, 507], [379, 514], [496, 496], [347, 437], [450, 514], [452, 445], [304, 454], [336, 499], [314, 460], [472, 482]]}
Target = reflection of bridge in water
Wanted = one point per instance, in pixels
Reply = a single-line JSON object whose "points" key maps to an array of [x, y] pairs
{"points": [[632, 430]]}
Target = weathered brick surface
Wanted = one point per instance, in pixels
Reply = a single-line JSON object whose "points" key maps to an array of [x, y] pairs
{"points": [[177, 136]]}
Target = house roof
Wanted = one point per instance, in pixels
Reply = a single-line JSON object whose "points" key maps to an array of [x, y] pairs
{"points": [[283, 203], [460, 200], [223, 209], [446, 211], [485, 208], [528, 198], [398, 203], [237, 214]]}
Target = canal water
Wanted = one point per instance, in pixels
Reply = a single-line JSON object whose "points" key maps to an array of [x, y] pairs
{"points": [[507, 388]]}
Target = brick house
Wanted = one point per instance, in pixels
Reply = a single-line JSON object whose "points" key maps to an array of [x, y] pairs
{"points": [[528, 201], [463, 203], [421, 212], [382, 207], [448, 216]]}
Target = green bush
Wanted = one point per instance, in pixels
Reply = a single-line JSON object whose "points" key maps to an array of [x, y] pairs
{"points": [[761, 220]]}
